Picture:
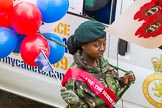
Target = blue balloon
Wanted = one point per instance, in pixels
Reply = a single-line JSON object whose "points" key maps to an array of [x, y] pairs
{"points": [[8, 41], [56, 51], [20, 39], [52, 10]]}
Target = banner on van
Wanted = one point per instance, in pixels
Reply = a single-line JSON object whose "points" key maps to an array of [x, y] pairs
{"points": [[141, 24]]}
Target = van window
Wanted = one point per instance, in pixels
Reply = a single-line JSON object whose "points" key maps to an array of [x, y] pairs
{"points": [[100, 10]]}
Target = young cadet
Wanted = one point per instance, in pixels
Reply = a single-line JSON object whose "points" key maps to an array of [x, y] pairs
{"points": [[91, 82]]}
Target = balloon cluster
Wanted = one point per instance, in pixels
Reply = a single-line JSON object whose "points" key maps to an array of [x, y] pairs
{"points": [[19, 26]]}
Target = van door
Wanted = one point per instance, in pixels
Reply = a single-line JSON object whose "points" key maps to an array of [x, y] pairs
{"points": [[145, 93]]}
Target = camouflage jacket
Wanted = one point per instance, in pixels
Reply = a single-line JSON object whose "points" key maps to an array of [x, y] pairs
{"points": [[103, 73]]}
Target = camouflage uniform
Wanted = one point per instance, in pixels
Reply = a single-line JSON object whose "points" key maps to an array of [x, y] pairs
{"points": [[103, 73]]}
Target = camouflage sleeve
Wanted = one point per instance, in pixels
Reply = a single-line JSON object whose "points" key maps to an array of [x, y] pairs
{"points": [[70, 85]]}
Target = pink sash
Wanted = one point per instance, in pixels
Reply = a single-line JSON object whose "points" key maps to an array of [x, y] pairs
{"points": [[106, 94]]}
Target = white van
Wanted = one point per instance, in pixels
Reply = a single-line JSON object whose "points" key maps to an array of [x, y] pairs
{"points": [[21, 79]]}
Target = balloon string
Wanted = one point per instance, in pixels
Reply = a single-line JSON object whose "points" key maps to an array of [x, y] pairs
{"points": [[55, 41]]}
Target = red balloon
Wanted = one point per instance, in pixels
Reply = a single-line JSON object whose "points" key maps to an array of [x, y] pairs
{"points": [[31, 46], [27, 18], [5, 5], [5, 19]]}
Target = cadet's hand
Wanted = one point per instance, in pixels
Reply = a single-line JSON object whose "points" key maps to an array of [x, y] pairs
{"points": [[69, 96], [128, 78]]}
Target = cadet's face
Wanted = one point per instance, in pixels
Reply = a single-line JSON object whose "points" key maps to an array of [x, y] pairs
{"points": [[95, 49]]}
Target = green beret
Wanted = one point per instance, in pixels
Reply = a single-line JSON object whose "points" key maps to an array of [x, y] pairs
{"points": [[89, 31]]}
